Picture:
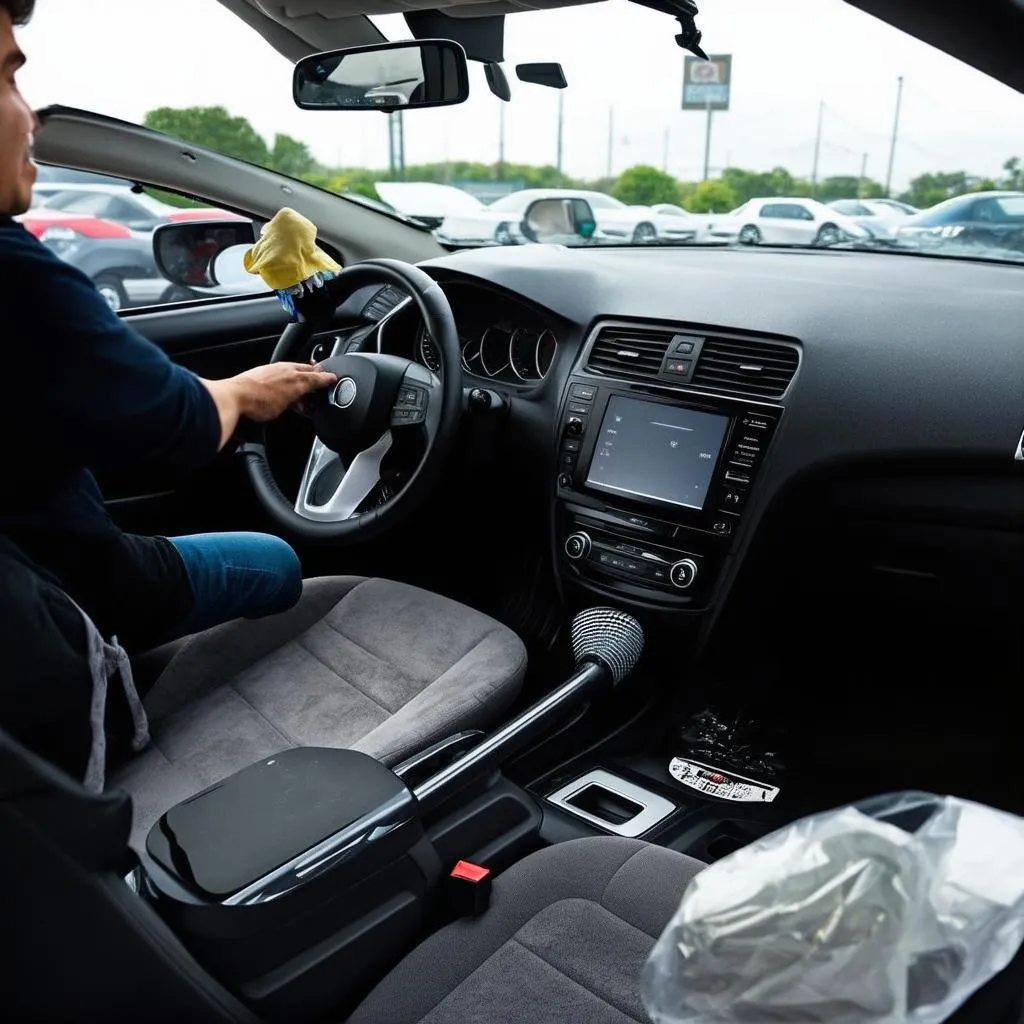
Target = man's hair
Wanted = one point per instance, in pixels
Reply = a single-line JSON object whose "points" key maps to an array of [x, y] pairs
{"points": [[19, 10]]}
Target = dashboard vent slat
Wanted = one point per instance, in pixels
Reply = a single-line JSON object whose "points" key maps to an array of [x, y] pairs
{"points": [[763, 369], [630, 352]]}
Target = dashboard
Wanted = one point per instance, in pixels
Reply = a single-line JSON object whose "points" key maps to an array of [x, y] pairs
{"points": [[502, 340], [683, 391]]}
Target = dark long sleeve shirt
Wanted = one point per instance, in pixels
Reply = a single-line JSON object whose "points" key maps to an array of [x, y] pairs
{"points": [[81, 391]]}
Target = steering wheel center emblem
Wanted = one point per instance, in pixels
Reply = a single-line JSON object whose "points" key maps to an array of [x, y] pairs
{"points": [[345, 392]]}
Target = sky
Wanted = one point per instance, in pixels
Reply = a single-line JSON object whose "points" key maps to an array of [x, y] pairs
{"points": [[624, 69]]}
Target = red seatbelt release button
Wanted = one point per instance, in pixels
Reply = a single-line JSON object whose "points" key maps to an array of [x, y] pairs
{"points": [[469, 887]]}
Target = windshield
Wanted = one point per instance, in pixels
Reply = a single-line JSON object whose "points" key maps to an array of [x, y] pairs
{"points": [[740, 143]]}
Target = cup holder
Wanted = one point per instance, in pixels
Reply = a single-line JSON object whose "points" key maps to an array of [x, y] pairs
{"points": [[725, 837], [722, 846]]}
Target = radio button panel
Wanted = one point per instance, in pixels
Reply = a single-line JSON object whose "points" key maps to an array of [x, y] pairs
{"points": [[640, 546]]}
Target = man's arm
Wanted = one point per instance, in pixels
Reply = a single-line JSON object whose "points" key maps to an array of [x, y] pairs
{"points": [[93, 392]]}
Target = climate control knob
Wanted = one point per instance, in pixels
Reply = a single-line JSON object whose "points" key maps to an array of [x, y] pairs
{"points": [[683, 573], [577, 546], [574, 426]]}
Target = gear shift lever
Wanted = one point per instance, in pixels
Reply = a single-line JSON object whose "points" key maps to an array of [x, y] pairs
{"points": [[607, 644]]}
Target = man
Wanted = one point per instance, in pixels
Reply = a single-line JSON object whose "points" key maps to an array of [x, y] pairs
{"points": [[81, 391]]}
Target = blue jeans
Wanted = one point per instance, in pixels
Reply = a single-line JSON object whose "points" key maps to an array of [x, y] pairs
{"points": [[237, 575]]}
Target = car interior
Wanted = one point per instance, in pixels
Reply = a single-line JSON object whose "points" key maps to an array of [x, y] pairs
{"points": [[617, 559]]}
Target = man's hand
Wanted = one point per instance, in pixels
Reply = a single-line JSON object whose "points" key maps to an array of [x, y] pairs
{"points": [[264, 392]]}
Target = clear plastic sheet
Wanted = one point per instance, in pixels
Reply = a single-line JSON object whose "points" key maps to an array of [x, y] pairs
{"points": [[890, 911]]}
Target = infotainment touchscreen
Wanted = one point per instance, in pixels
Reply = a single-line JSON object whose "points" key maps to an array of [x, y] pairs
{"points": [[658, 451]]}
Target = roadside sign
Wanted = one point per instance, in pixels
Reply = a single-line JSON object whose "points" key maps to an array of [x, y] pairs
{"points": [[707, 83]]}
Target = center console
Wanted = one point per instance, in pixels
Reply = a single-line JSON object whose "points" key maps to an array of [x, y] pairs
{"points": [[651, 486]]}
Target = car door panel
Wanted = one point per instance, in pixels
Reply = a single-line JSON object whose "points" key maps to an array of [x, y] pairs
{"points": [[770, 225]]}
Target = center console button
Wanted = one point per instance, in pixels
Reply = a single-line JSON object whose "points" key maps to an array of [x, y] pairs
{"points": [[683, 573], [583, 392], [577, 545], [564, 481], [578, 407], [571, 444]]}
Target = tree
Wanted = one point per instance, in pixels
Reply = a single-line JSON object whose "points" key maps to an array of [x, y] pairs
{"points": [[291, 157], [1014, 174], [713, 196], [213, 128], [754, 184], [644, 186], [928, 189], [847, 186]]}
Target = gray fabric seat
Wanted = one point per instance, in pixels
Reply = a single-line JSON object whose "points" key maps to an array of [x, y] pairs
{"points": [[368, 664], [563, 942]]}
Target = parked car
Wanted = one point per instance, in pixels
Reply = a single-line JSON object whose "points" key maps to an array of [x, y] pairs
{"points": [[781, 220], [427, 201], [137, 211], [102, 226], [119, 261], [498, 223], [992, 220], [681, 224], [879, 217]]}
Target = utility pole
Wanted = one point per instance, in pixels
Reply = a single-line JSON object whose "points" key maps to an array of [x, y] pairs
{"points": [[501, 141], [862, 183], [707, 143], [611, 140], [396, 145], [895, 132], [817, 150], [561, 112]]}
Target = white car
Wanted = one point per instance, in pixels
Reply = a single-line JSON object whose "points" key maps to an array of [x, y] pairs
{"points": [[498, 224], [881, 217], [427, 201], [782, 220]]}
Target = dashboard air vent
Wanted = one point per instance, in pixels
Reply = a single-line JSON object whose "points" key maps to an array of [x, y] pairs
{"points": [[759, 368], [629, 351], [383, 302]]}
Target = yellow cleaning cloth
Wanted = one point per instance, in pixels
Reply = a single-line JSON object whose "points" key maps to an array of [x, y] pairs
{"points": [[287, 253]]}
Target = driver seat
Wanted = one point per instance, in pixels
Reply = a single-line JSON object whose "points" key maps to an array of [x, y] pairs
{"points": [[368, 664]]}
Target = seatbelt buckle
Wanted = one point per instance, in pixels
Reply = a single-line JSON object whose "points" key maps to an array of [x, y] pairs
{"points": [[468, 889]]}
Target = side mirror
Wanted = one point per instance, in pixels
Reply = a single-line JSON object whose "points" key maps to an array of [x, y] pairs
{"points": [[187, 253], [384, 76], [559, 221]]}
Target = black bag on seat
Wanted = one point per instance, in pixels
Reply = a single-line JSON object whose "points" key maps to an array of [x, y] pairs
{"points": [[54, 660], [45, 686]]}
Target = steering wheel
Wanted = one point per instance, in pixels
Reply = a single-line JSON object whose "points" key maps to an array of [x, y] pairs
{"points": [[376, 397]]}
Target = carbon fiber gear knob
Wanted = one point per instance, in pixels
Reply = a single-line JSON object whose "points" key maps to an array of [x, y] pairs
{"points": [[612, 637]]}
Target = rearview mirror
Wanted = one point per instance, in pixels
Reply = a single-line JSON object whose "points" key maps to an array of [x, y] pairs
{"points": [[559, 221], [187, 253], [384, 76]]}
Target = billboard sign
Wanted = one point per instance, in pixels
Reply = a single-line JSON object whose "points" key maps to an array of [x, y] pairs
{"points": [[707, 83]]}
